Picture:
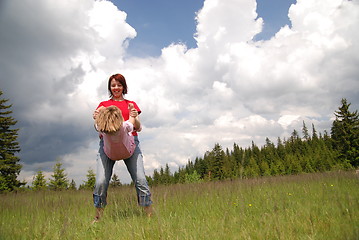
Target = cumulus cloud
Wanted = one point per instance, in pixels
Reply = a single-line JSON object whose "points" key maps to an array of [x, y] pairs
{"points": [[55, 62], [54, 57]]}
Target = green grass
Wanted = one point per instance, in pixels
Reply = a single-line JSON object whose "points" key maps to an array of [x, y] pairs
{"points": [[309, 206]]}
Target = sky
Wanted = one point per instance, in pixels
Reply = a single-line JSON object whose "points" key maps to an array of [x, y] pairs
{"points": [[202, 72]]}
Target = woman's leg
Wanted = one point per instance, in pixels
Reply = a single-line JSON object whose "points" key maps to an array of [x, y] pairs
{"points": [[136, 169], [103, 176]]}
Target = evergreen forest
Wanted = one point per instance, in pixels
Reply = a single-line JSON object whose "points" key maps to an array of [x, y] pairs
{"points": [[308, 153]]}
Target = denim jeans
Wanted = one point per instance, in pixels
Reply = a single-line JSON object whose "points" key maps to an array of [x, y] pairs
{"points": [[134, 166]]}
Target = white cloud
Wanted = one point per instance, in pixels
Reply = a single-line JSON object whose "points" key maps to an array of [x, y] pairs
{"points": [[287, 120], [228, 89], [223, 22]]}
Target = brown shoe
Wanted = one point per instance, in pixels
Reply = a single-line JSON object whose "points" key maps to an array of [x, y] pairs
{"points": [[148, 210], [98, 215], [96, 220]]}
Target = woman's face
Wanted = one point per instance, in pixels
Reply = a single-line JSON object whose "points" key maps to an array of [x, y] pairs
{"points": [[116, 88]]}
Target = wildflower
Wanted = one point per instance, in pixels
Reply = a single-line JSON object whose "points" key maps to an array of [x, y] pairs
{"points": [[250, 205], [289, 194], [332, 185]]}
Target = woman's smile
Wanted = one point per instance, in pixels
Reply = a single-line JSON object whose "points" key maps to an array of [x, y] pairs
{"points": [[116, 89]]}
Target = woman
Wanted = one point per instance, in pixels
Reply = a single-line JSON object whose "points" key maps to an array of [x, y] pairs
{"points": [[117, 88]]}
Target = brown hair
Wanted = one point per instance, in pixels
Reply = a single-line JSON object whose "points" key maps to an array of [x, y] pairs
{"points": [[109, 120], [120, 78]]}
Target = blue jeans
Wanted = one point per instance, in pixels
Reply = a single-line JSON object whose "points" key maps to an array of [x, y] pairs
{"points": [[134, 166]]}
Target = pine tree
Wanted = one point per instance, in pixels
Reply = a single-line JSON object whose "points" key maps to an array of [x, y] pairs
{"points": [[256, 153], [162, 173], [252, 170], [229, 165], [314, 134], [166, 178], [305, 132], [345, 134], [72, 185], [156, 177], [115, 181], [9, 166], [59, 179], [274, 169], [39, 181], [181, 175], [149, 181], [306, 164], [193, 177], [91, 180], [280, 149], [269, 154], [216, 162], [264, 169], [200, 167]]}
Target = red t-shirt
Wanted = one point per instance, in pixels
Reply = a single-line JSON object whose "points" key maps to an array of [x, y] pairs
{"points": [[123, 106]]}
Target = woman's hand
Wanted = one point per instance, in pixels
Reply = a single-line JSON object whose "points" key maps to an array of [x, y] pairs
{"points": [[133, 110], [95, 113]]}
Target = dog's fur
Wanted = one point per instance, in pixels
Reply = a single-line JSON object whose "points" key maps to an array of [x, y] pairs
{"points": [[109, 119]]}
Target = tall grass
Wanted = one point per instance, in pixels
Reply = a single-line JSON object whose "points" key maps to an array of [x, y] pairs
{"points": [[310, 206]]}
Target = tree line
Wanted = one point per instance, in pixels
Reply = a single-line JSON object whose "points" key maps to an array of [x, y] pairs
{"points": [[59, 180], [298, 154]]}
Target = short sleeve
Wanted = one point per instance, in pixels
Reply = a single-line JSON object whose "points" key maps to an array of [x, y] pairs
{"points": [[101, 105], [128, 126]]}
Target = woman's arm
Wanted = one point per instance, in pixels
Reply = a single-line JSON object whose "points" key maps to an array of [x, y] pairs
{"points": [[134, 119], [137, 124]]}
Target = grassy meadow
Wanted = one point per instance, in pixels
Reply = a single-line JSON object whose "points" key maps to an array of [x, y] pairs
{"points": [[308, 206]]}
